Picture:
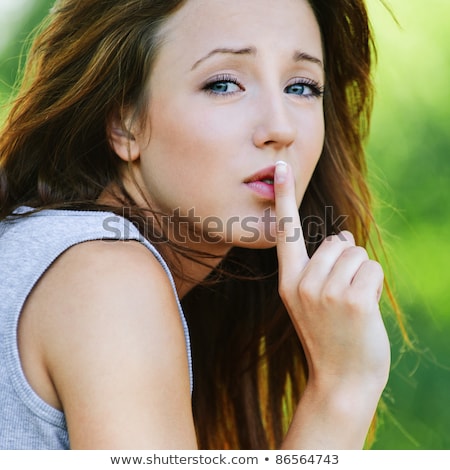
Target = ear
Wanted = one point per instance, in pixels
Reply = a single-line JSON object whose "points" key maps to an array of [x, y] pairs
{"points": [[122, 139]]}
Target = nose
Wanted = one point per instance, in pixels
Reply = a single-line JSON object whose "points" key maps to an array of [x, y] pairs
{"points": [[275, 128]]}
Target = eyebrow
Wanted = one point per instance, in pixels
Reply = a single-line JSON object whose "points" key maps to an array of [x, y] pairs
{"points": [[226, 50], [299, 56]]}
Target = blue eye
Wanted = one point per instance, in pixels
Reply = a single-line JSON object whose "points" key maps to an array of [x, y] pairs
{"points": [[309, 89], [223, 85]]}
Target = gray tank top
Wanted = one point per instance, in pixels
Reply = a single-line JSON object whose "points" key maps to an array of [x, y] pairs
{"points": [[28, 246]]}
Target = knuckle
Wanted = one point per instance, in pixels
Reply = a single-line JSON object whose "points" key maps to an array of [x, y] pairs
{"points": [[353, 252], [283, 291], [307, 290], [342, 237], [346, 236], [330, 295], [331, 238], [375, 268], [360, 252], [355, 301], [286, 290]]}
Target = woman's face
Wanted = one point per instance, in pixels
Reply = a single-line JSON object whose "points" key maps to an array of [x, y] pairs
{"points": [[236, 87]]}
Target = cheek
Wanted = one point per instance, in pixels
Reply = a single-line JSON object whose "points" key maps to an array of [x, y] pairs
{"points": [[310, 150], [180, 155], [313, 141], [187, 135], [317, 131]]}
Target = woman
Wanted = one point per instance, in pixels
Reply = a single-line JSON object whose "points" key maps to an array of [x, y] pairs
{"points": [[193, 130]]}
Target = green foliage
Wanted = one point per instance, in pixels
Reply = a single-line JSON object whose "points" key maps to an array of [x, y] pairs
{"points": [[409, 149], [409, 169], [12, 54]]}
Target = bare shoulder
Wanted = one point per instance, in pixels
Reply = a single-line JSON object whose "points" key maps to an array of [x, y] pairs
{"points": [[92, 279], [104, 320]]}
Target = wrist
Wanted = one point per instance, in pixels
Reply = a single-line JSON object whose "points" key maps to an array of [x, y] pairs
{"points": [[353, 398], [336, 417]]}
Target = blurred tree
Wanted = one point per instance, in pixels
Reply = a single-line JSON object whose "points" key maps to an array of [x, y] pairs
{"points": [[11, 53], [409, 148]]}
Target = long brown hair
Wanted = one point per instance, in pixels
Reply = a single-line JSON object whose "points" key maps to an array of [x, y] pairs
{"points": [[92, 60]]}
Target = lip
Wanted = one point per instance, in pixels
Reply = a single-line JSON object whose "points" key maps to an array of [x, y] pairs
{"points": [[262, 188]]}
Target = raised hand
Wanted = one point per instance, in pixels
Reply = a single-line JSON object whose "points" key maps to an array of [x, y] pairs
{"points": [[333, 299]]}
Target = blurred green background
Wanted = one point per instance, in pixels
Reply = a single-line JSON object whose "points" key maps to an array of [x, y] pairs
{"points": [[408, 159]]}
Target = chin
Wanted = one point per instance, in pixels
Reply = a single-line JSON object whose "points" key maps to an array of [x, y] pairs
{"points": [[247, 232], [261, 243]]}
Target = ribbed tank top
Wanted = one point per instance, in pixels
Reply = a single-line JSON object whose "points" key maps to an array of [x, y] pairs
{"points": [[28, 247]]}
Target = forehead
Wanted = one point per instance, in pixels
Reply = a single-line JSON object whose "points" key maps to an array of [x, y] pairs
{"points": [[201, 25]]}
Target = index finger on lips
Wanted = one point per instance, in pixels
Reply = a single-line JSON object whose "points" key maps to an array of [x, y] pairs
{"points": [[291, 247]]}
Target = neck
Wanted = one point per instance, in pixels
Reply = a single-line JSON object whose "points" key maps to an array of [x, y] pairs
{"points": [[194, 269]]}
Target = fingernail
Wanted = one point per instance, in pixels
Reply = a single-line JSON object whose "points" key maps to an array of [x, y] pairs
{"points": [[280, 171]]}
